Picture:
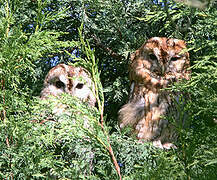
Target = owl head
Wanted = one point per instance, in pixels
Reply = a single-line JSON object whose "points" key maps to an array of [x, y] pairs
{"points": [[164, 57], [75, 81]]}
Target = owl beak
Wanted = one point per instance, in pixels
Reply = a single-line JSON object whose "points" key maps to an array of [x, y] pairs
{"points": [[163, 69]]}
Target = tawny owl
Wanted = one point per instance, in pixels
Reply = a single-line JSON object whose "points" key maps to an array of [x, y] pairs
{"points": [[154, 66], [75, 81]]}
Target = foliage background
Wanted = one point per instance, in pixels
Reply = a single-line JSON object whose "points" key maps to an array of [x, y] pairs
{"points": [[36, 35]]}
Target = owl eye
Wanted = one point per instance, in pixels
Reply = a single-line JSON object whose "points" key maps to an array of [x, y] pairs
{"points": [[174, 58], [153, 57], [79, 86], [60, 84]]}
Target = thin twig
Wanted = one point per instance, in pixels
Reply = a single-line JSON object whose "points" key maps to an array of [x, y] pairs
{"points": [[86, 48], [3, 81], [117, 167], [3, 117]]}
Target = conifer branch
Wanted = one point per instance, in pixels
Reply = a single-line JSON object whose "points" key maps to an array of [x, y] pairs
{"points": [[107, 49]]}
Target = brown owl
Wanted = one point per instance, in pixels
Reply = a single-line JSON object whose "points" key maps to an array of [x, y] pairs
{"points": [[154, 66], [75, 81]]}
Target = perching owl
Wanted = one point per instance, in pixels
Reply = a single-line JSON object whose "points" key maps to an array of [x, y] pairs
{"points": [[153, 67], [75, 81]]}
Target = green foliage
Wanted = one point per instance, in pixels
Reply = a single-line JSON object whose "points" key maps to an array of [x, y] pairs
{"points": [[34, 33]]}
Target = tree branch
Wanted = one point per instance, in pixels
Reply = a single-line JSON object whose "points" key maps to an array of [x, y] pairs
{"points": [[107, 49]]}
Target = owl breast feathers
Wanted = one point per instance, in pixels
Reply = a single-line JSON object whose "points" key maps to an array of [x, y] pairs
{"points": [[75, 81], [154, 66]]}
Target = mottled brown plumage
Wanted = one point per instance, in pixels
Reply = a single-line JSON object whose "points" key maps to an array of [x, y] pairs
{"points": [[154, 66]]}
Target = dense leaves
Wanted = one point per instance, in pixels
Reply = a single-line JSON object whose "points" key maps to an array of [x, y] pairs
{"points": [[100, 35]]}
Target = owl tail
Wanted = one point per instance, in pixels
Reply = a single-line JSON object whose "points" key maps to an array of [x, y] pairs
{"points": [[131, 112]]}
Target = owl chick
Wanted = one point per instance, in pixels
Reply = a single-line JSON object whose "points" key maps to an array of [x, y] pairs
{"points": [[153, 67]]}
